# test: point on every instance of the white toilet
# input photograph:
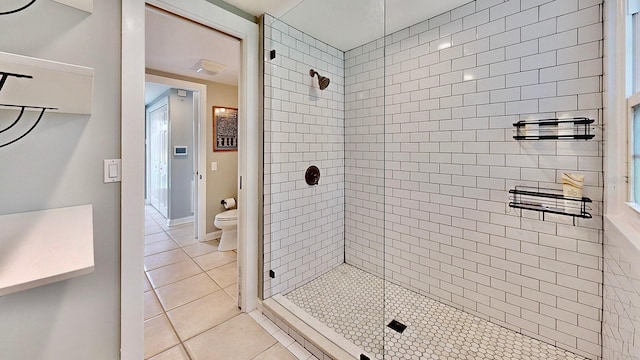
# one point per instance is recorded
(227, 221)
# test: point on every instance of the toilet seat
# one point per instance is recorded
(229, 215)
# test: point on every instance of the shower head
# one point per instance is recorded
(323, 82)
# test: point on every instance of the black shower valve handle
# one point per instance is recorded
(312, 176)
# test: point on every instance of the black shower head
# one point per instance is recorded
(323, 82)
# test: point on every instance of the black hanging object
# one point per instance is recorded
(22, 108)
(312, 176)
(272, 54)
(5, 76)
(18, 9)
(272, 274)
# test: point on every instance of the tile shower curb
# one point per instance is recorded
(301, 326)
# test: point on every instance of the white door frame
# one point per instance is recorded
(200, 143)
(132, 188)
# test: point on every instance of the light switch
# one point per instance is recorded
(214, 166)
(112, 171)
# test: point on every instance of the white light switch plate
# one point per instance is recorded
(214, 166)
(112, 170)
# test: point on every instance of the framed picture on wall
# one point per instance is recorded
(225, 129)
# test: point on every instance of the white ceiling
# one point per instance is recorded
(346, 24)
(174, 45)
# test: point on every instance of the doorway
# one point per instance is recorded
(175, 154)
(158, 156)
(132, 194)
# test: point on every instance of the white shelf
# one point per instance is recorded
(66, 87)
(43, 247)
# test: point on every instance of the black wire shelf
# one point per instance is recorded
(546, 200)
(577, 128)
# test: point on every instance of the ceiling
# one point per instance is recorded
(174, 45)
(346, 24)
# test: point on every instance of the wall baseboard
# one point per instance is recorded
(184, 220)
(213, 235)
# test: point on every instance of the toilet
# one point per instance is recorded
(227, 221)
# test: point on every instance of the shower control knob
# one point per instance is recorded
(312, 176)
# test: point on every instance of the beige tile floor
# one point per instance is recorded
(190, 305)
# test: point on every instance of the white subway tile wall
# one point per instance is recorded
(621, 324)
(303, 126)
(430, 158)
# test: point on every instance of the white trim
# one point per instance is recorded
(132, 213)
(635, 207)
(132, 186)
(181, 221)
(620, 226)
(615, 116)
(201, 142)
(213, 235)
(632, 102)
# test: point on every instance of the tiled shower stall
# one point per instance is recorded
(414, 141)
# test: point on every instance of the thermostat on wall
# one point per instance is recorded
(179, 151)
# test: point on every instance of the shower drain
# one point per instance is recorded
(397, 326)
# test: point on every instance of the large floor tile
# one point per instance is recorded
(182, 231)
(175, 353)
(172, 273)
(187, 290)
(276, 352)
(156, 237)
(158, 336)
(215, 259)
(240, 338)
(200, 315)
(232, 291)
(225, 275)
(201, 248)
(152, 306)
(158, 247)
(186, 240)
(155, 261)
(152, 229)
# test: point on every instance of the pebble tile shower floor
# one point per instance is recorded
(348, 300)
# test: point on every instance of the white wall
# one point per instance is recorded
(304, 126)
(433, 197)
(60, 164)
